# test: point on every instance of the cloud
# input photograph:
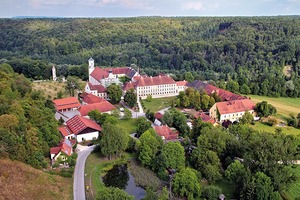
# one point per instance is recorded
(193, 6)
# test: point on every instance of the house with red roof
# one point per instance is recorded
(62, 151)
(97, 90)
(103, 107)
(66, 104)
(89, 98)
(204, 117)
(166, 132)
(157, 86)
(231, 110)
(80, 128)
(181, 85)
(210, 89)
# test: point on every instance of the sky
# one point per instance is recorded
(134, 8)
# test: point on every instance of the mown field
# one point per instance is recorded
(21, 181)
(284, 105)
(287, 129)
(158, 104)
(50, 89)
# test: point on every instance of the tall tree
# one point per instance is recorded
(130, 98)
(114, 93)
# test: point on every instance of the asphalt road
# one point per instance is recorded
(78, 185)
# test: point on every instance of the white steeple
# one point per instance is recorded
(91, 67)
(54, 73)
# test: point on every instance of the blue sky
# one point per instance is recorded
(132, 8)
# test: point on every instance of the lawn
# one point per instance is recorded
(293, 191)
(158, 104)
(227, 188)
(129, 125)
(50, 88)
(284, 105)
(259, 126)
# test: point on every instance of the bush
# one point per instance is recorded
(272, 121)
(211, 192)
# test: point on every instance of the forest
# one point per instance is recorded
(259, 52)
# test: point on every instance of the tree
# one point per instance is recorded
(72, 85)
(205, 101)
(114, 140)
(264, 109)
(188, 76)
(244, 89)
(109, 193)
(116, 113)
(211, 192)
(114, 93)
(247, 118)
(127, 114)
(233, 86)
(186, 183)
(130, 98)
(173, 153)
(151, 143)
(149, 98)
(263, 186)
(142, 125)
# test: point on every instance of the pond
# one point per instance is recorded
(120, 177)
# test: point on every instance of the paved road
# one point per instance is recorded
(134, 114)
(78, 185)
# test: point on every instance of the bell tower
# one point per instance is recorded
(91, 67)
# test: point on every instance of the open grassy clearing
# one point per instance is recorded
(21, 181)
(50, 88)
(158, 104)
(293, 191)
(227, 188)
(259, 126)
(129, 125)
(284, 105)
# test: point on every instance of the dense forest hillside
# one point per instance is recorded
(27, 125)
(261, 53)
(20, 181)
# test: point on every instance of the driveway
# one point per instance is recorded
(78, 185)
(134, 114)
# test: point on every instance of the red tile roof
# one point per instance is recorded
(99, 88)
(66, 103)
(158, 116)
(128, 85)
(65, 131)
(166, 132)
(235, 106)
(204, 117)
(103, 106)
(77, 124)
(209, 89)
(156, 80)
(181, 83)
(55, 150)
(90, 98)
(101, 73)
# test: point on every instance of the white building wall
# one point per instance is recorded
(157, 91)
(93, 81)
(87, 136)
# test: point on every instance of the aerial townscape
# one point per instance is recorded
(150, 100)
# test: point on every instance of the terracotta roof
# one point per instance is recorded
(55, 150)
(204, 117)
(90, 98)
(103, 106)
(99, 88)
(65, 103)
(128, 85)
(209, 89)
(101, 73)
(65, 131)
(158, 116)
(166, 132)
(235, 106)
(77, 124)
(156, 80)
(181, 83)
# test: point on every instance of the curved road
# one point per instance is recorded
(78, 185)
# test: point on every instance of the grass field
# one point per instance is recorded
(129, 125)
(50, 88)
(158, 104)
(293, 191)
(287, 130)
(21, 181)
(284, 105)
(227, 188)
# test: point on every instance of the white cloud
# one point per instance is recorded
(192, 6)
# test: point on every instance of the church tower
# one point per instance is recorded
(54, 73)
(91, 67)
